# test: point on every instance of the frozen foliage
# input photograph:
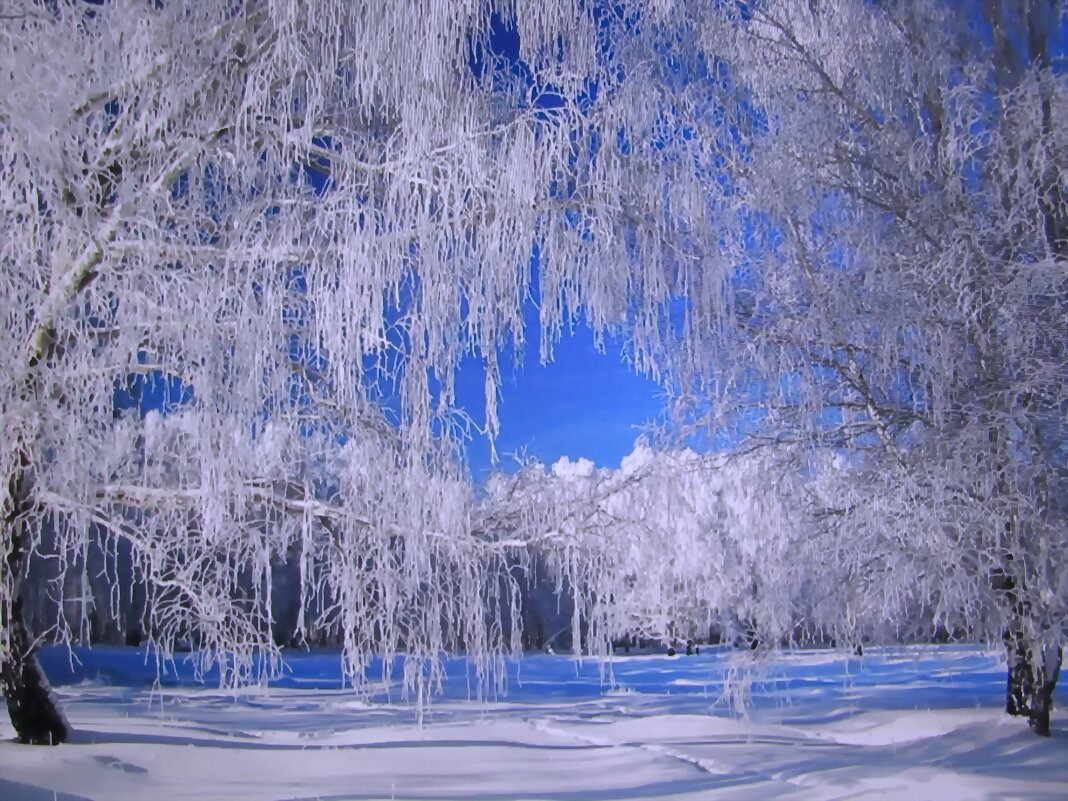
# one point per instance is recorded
(671, 546)
(873, 323)
(269, 220)
(213, 553)
(892, 195)
(679, 546)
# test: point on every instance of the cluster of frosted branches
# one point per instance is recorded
(298, 528)
(269, 221)
(670, 546)
(769, 547)
(921, 545)
(895, 208)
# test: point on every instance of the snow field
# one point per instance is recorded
(906, 723)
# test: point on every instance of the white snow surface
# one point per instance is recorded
(902, 723)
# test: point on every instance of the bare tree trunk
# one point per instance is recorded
(33, 708)
(1048, 668)
(1021, 681)
(1032, 680)
(1021, 676)
(1034, 666)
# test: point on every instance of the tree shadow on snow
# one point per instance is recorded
(17, 791)
(230, 740)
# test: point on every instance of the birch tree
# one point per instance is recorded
(876, 293)
(294, 219)
(894, 203)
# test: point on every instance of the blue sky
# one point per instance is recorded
(584, 403)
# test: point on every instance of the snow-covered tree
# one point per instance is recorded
(893, 204)
(675, 545)
(287, 217)
(672, 545)
(877, 294)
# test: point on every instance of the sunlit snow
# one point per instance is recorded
(905, 723)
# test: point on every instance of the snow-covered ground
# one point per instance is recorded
(907, 723)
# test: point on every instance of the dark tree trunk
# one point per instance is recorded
(1045, 681)
(1033, 673)
(1021, 681)
(33, 708)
